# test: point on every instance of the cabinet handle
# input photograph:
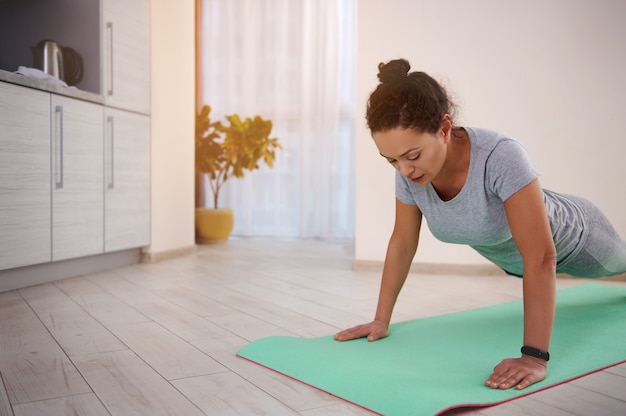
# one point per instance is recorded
(110, 50)
(111, 150)
(58, 141)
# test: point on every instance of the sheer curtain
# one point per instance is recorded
(293, 62)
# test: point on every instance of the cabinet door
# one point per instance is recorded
(127, 180)
(77, 178)
(24, 176)
(126, 50)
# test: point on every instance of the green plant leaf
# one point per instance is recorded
(224, 151)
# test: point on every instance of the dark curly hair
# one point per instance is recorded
(406, 100)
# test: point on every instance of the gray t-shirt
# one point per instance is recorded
(499, 167)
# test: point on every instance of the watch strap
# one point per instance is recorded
(535, 352)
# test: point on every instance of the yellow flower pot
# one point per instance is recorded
(214, 224)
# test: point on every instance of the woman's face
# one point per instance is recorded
(419, 157)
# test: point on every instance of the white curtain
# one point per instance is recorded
(293, 62)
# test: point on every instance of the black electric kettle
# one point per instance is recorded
(61, 62)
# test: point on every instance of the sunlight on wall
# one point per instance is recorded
(173, 95)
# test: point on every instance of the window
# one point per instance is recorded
(293, 62)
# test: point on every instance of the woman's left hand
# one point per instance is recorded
(518, 372)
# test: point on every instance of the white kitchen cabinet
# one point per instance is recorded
(127, 180)
(25, 233)
(77, 178)
(126, 54)
(75, 164)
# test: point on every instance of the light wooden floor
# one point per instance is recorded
(160, 339)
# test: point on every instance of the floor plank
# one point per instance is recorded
(589, 402)
(5, 405)
(338, 409)
(620, 370)
(82, 405)
(196, 299)
(248, 327)
(75, 330)
(166, 353)
(175, 318)
(292, 393)
(605, 383)
(227, 394)
(527, 407)
(104, 307)
(128, 386)
(241, 302)
(32, 364)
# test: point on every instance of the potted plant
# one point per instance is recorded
(223, 152)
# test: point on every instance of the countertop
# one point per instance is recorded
(38, 84)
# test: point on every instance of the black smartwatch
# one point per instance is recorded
(535, 352)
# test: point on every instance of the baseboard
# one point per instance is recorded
(433, 268)
(459, 269)
(154, 257)
(48, 272)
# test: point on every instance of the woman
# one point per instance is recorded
(480, 188)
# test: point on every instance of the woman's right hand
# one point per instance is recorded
(373, 331)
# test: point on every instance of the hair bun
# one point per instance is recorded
(393, 71)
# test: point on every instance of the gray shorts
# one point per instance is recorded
(602, 252)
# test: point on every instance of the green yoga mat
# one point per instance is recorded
(431, 365)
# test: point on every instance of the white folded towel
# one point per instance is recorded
(39, 74)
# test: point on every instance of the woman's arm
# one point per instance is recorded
(400, 252)
(528, 221)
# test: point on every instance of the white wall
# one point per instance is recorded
(551, 73)
(173, 109)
